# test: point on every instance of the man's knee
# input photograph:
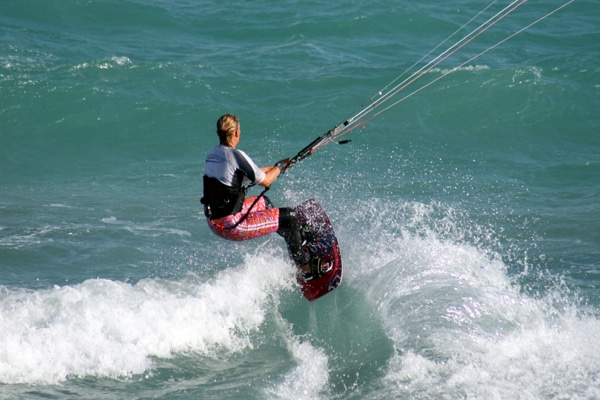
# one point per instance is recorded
(287, 218)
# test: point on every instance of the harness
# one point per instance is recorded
(221, 200)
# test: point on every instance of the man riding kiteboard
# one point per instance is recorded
(232, 216)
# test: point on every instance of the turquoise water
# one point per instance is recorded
(468, 215)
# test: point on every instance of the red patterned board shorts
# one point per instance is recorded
(261, 221)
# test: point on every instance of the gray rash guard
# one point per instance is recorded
(222, 163)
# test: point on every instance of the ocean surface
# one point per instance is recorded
(468, 214)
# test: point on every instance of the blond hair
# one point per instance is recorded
(226, 127)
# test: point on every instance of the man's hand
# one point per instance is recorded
(284, 164)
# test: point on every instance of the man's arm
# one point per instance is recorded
(271, 174)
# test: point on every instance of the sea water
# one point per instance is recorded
(468, 215)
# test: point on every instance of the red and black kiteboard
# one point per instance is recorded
(319, 242)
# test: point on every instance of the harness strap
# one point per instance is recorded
(221, 200)
(222, 227)
(249, 209)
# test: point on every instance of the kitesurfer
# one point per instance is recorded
(232, 216)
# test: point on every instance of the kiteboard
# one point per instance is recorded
(319, 242)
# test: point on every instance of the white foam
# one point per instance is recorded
(59, 205)
(106, 328)
(31, 236)
(152, 229)
(468, 68)
(121, 60)
(463, 328)
(309, 378)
